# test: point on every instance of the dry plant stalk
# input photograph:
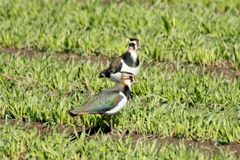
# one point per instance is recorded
(21, 82)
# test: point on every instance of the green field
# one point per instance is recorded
(179, 103)
(202, 32)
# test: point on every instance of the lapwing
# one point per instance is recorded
(127, 62)
(109, 101)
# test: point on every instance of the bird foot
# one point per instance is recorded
(113, 132)
(125, 132)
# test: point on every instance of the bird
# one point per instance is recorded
(109, 101)
(127, 62)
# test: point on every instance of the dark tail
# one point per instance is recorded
(71, 113)
(105, 73)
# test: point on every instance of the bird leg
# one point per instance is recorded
(113, 131)
(110, 125)
(103, 119)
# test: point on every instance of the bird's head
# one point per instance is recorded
(128, 78)
(134, 44)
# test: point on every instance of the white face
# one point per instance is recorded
(124, 78)
(133, 45)
(128, 79)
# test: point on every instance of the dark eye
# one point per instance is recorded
(131, 44)
(131, 78)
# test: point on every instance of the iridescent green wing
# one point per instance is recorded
(103, 102)
(116, 65)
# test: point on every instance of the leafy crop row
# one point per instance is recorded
(202, 32)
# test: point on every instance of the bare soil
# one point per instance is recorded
(226, 68)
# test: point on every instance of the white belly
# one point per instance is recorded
(116, 77)
(126, 68)
(120, 105)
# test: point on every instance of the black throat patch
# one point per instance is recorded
(127, 58)
(126, 91)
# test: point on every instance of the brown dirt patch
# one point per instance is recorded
(33, 53)
(226, 68)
